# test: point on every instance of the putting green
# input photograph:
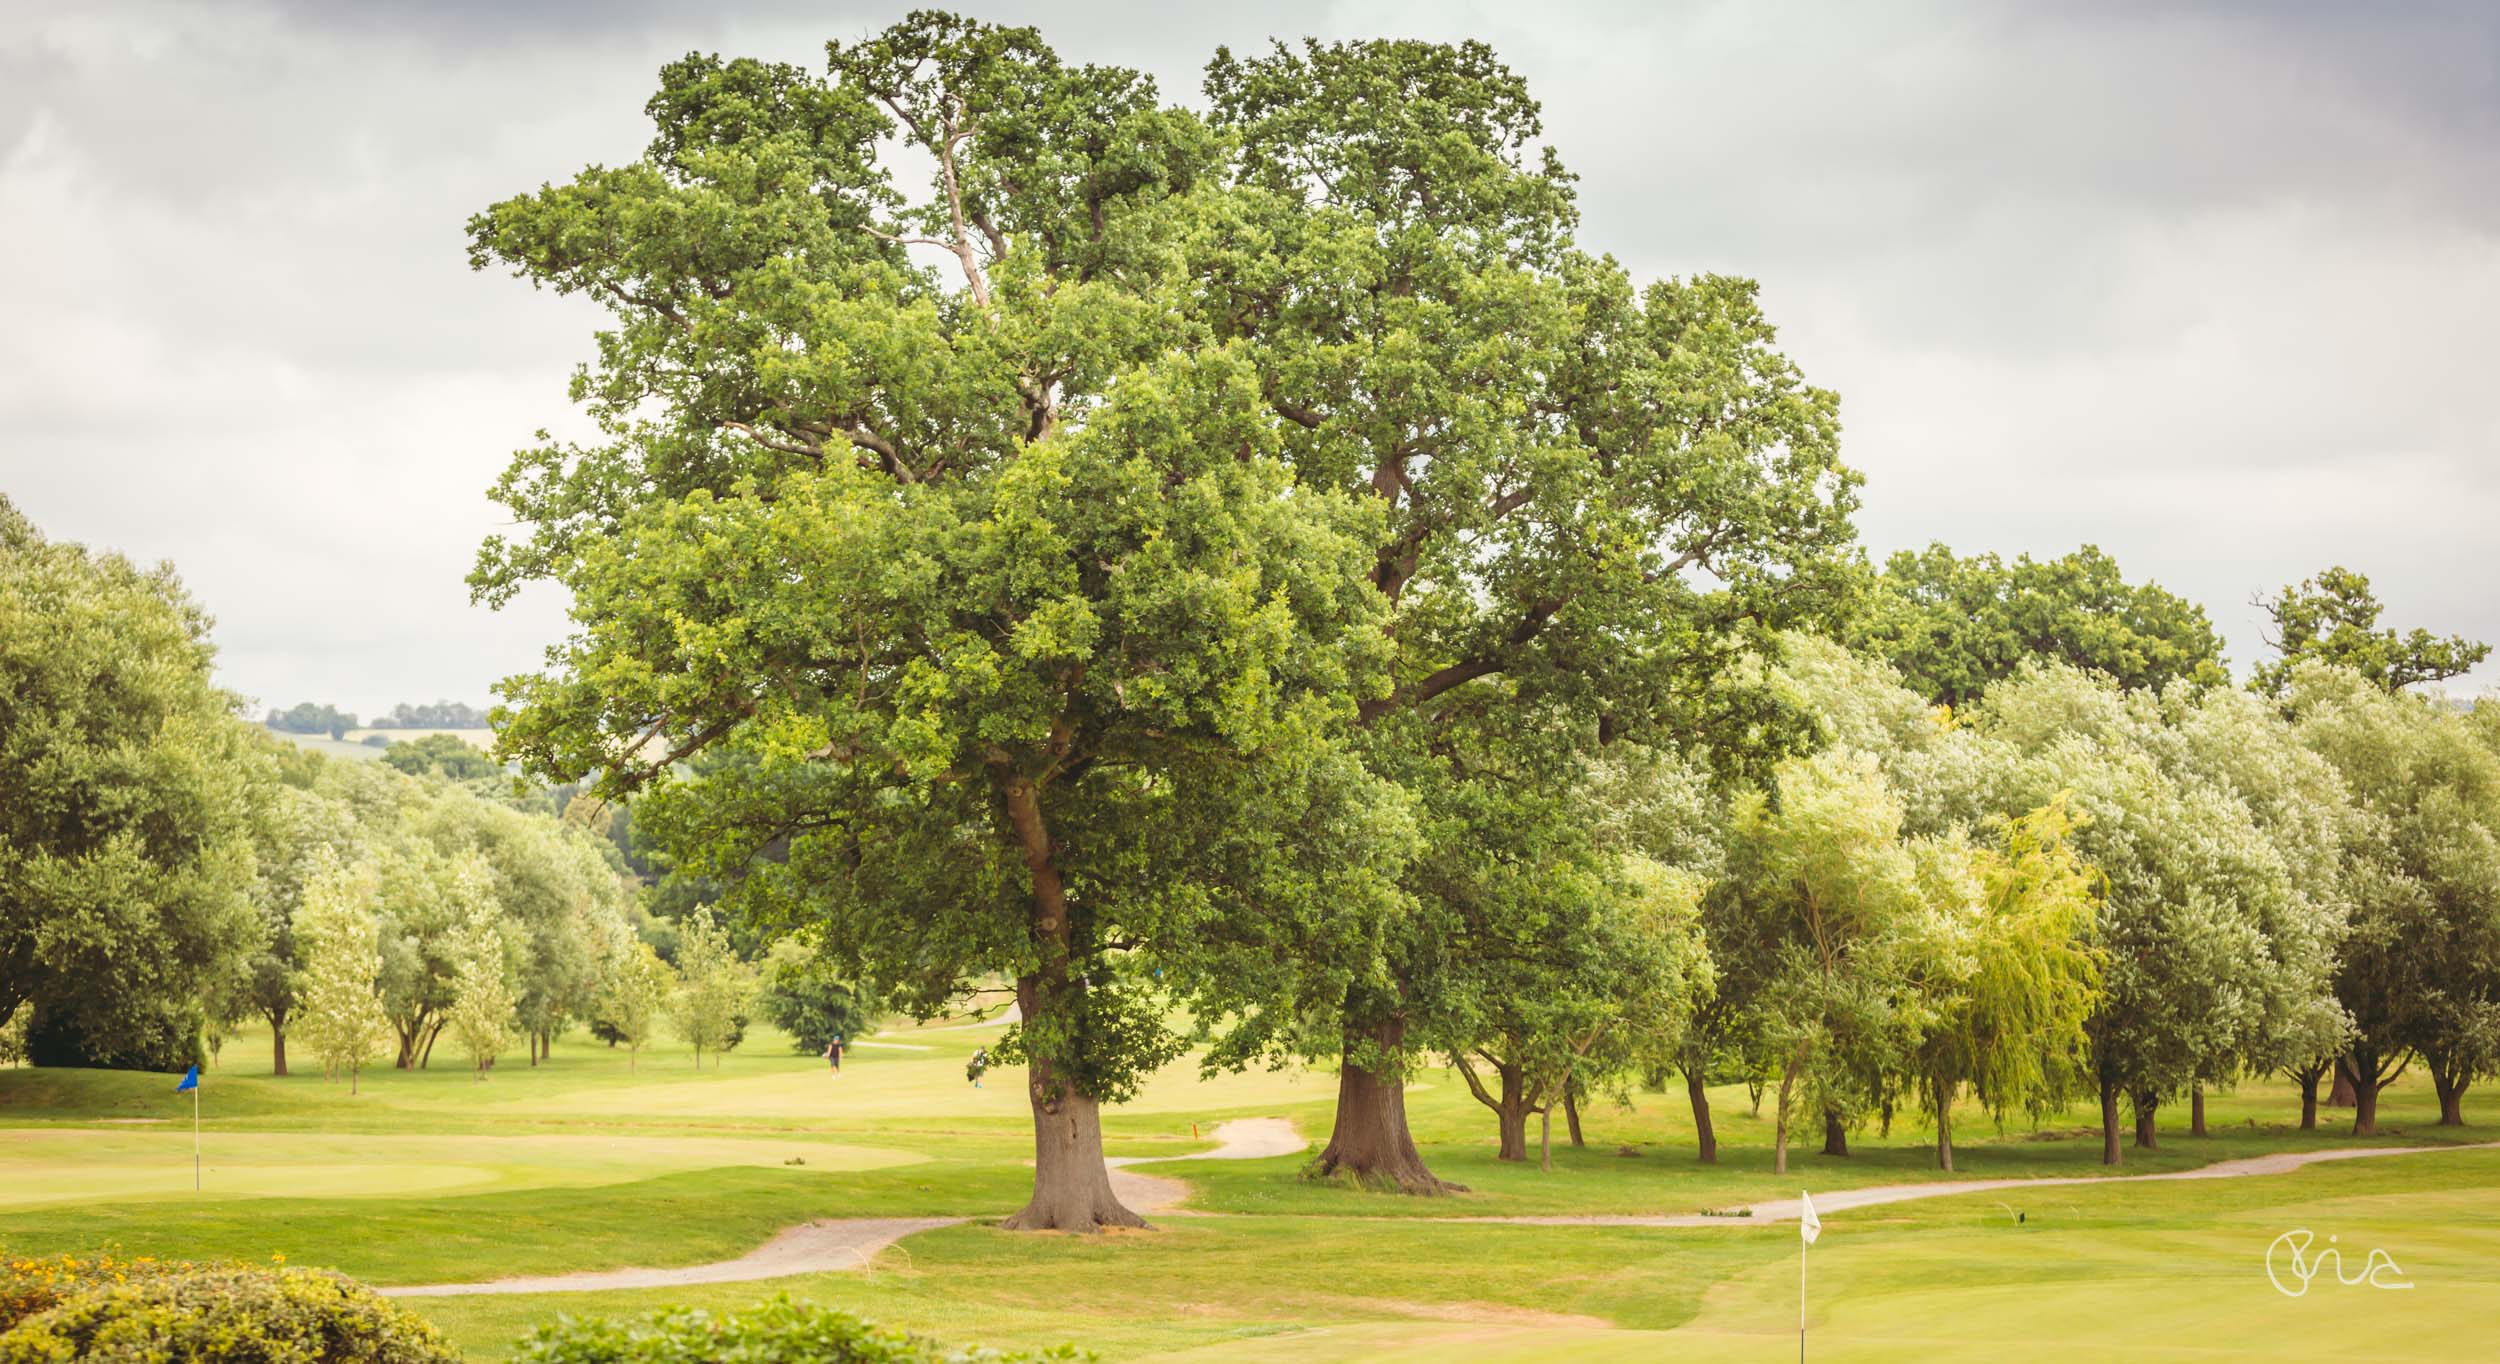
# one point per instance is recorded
(1981, 1287)
(69, 1165)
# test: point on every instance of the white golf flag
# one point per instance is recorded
(1809, 1226)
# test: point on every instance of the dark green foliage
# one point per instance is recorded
(126, 784)
(127, 1032)
(306, 718)
(778, 1332)
(2333, 618)
(112, 1309)
(442, 755)
(806, 995)
(1953, 626)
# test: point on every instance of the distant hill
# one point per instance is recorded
(475, 737)
(335, 748)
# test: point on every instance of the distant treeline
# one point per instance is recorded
(307, 718)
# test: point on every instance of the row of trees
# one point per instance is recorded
(306, 717)
(2073, 890)
(165, 872)
(1235, 560)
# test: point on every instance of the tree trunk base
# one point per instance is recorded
(1370, 1145)
(1071, 1186)
(1705, 1136)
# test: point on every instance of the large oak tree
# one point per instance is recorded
(1594, 496)
(958, 533)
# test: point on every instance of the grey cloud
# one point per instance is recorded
(2208, 286)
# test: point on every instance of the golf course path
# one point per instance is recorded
(850, 1243)
(1786, 1209)
(843, 1243)
(809, 1248)
(1240, 1139)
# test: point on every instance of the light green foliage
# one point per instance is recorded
(440, 755)
(108, 1308)
(1834, 926)
(13, 1036)
(424, 897)
(1953, 625)
(778, 1332)
(125, 784)
(639, 989)
(714, 988)
(480, 1018)
(2420, 971)
(295, 826)
(2212, 937)
(2011, 977)
(1622, 964)
(2333, 618)
(337, 996)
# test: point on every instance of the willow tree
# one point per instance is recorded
(1592, 495)
(2007, 1020)
(2213, 949)
(946, 528)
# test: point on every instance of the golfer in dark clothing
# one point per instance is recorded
(833, 1053)
(979, 1063)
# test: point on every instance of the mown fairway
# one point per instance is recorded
(581, 1164)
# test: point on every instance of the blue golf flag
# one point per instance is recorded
(190, 1080)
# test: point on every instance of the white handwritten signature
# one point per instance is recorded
(2291, 1278)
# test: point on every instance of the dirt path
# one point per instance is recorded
(1786, 1209)
(844, 1243)
(850, 1243)
(809, 1248)
(1240, 1139)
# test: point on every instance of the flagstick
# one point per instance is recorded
(195, 1138)
(1802, 1248)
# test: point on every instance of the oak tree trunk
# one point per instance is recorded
(1370, 1140)
(1704, 1135)
(2308, 1077)
(1571, 1113)
(2341, 1096)
(1779, 1129)
(277, 1046)
(1071, 1185)
(1835, 1134)
(1511, 1113)
(2449, 1081)
(2365, 1089)
(2196, 1109)
(2145, 1103)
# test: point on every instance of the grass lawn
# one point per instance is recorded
(587, 1163)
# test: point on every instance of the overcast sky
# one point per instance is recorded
(2216, 290)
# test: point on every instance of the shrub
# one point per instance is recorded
(67, 1308)
(779, 1332)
